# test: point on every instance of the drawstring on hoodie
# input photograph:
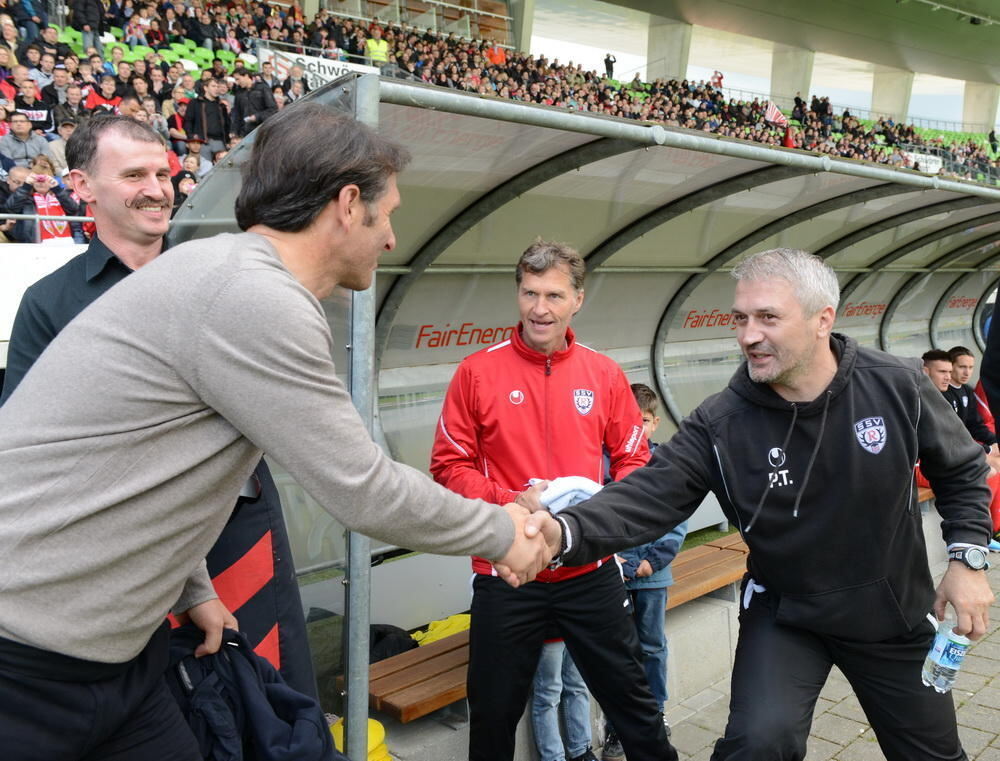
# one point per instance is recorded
(784, 447)
(812, 457)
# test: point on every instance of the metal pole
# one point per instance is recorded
(363, 385)
(422, 96)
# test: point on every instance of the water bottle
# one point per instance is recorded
(945, 658)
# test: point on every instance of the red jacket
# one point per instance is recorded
(511, 414)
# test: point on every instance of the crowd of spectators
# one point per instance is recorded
(46, 88)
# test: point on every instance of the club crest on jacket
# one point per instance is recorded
(871, 434)
(583, 398)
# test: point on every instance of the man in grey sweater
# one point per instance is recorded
(127, 442)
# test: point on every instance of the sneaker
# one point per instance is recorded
(666, 727)
(994, 545)
(612, 750)
(587, 755)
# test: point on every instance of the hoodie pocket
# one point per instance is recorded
(866, 612)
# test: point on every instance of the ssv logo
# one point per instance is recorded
(871, 434)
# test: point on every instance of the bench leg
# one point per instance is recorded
(456, 715)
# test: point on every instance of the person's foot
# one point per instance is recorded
(666, 726)
(994, 545)
(612, 750)
(587, 755)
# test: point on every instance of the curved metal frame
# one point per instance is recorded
(908, 248)
(977, 334)
(478, 210)
(669, 211)
(869, 231)
(937, 264)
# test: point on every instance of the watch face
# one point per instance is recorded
(975, 557)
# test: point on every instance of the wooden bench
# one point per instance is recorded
(419, 681)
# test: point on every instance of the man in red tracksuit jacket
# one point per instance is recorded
(540, 405)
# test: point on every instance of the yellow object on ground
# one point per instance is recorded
(443, 628)
(377, 750)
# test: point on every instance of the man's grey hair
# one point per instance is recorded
(814, 282)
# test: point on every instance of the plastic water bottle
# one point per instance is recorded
(945, 658)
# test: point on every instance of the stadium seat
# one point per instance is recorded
(117, 32)
(227, 56)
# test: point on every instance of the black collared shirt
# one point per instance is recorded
(48, 306)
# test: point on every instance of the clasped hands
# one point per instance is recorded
(537, 537)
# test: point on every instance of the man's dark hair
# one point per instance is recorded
(935, 355)
(645, 397)
(286, 184)
(241, 71)
(81, 148)
(543, 255)
(959, 351)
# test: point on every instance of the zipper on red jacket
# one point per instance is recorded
(548, 365)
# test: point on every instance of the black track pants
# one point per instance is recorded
(593, 614)
(780, 670)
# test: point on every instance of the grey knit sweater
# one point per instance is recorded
(125, 446)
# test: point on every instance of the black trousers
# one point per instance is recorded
(55, 708)
(780, 670)
(592, 613)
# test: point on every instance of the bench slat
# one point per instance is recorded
(422, 672)
(418, 655)
(420, 699)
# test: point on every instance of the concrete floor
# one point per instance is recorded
(840, 732)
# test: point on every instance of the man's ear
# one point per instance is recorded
(79, 181)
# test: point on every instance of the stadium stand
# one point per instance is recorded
(184, 46)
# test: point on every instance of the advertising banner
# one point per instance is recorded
(318, 71)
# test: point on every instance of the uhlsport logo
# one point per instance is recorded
(871, 434)
(583, 398)
(516, 396)
(776, 457)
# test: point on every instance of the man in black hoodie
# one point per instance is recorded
(208, 119)
(810, 451)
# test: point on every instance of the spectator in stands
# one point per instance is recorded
(38, 111)
(103, 100)
(609, 65)
(296, 74)
(43, 195)
(30, 16)
(206, 118)
(43, 74)
(280, 99)
(377, 49)
(254, 103)
(88, 19)
(508, 630)
(196, 149)
(937, 366)
(267, 75)
(156, 120)
(21, 144)
(129, 106)
(72, 109)
(55, 92)
(123, 78)
(57, 147)
(647, 578)
(15, 178)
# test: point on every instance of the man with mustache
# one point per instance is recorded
(810, 451)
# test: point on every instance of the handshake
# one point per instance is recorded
(537, 538)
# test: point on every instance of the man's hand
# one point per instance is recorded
(970, 595)
(211, 617)
(993, 460)
(531, 550)
(644, 570)
(532, 498)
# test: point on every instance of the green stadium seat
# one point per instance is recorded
(117, 32)
(190, 44)
(228, 56)
(179, 47)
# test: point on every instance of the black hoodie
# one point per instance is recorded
(822, 491)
